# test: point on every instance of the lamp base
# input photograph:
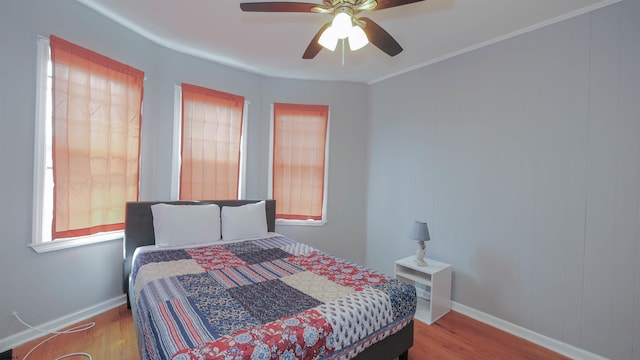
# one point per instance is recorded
(420, 254)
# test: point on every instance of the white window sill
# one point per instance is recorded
(54, 245)
(286, 222)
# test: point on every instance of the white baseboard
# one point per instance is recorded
(57, 324)
(539, 339)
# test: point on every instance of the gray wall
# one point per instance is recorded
(45, 287)
(524, 158)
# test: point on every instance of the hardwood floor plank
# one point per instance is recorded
(454, 336)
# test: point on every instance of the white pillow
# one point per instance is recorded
(244, 222)
(185, 224)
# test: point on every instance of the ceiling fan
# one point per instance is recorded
(345, 25)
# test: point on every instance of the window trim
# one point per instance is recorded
(177, 135)
(61, 244)
(242, 186)
(39, 162)
(39, 141)
(176, 159)
(325, 192)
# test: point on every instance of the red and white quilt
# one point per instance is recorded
(270, 298)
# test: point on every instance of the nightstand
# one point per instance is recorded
(433, 286)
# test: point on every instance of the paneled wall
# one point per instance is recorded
(524, 158)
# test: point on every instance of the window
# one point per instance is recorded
(87, 144)
(211, 146)
(298, 171)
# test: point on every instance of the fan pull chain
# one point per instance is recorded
(342, 52)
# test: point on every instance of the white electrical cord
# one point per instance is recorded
(72, 330)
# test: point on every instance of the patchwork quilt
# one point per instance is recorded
(270, 298)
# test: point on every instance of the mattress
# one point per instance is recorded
(267, 298)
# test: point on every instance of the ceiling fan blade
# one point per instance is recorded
(314, 47)
(381, 38)
(384, 4)
(278, 6)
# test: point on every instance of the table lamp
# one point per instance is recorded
(420, 233)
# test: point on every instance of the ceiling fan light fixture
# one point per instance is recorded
(344, 25)
(357, 38)
(329, 39)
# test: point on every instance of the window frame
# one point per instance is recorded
(176, 161)
(325, 192)
(39, 242)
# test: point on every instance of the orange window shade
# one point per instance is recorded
(97, 105)
(299, 136)
(211, 134)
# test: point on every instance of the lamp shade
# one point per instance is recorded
(342, 24)
(419, 231)
(329, 38)
(357, 38)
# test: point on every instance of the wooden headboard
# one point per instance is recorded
(138, 229)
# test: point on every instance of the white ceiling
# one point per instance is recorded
(272, 43)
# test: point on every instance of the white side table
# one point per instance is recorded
(433, 286)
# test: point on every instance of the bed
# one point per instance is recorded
(254, 297)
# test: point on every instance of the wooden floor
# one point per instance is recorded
(113, 337)
(454, 336)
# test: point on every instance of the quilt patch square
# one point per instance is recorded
(302, 336)
(256, 257)
(317, 286)
(164, 289)
(181, 323)
(222, 314)
(158, 256)
(242, 247)
(154, 271)
(299, 249)
(339, 271)
(274, 242)
(253, 273)
(214, 257)
(357, 315)
(402, 295)
(271, 300)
